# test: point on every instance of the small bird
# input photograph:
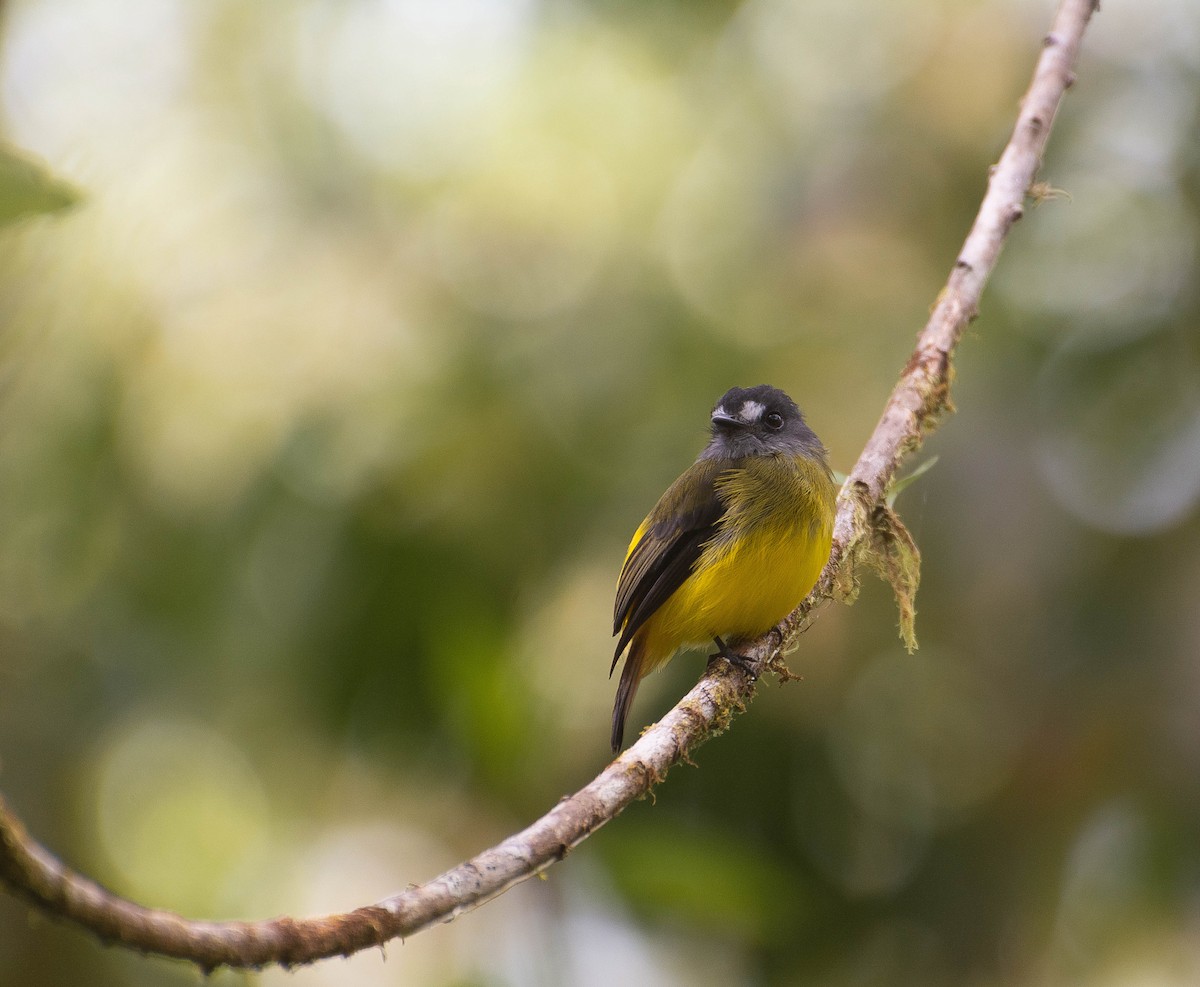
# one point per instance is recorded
(733, 545)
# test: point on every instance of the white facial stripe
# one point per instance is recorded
(720, 410)
(752, 411)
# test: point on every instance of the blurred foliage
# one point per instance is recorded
(27, 188)
(326, 416)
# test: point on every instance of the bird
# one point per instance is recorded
(731, 547)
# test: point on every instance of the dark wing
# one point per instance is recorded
(673, 536)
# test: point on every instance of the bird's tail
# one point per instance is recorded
(631, 675)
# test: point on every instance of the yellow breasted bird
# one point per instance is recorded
(733, 545)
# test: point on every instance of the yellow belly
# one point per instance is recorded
(738, 591)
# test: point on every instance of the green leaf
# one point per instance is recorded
(28, 188)
(895, 488)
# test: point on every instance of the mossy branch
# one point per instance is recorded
(867, 533)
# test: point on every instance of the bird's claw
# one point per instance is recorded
(740, 661)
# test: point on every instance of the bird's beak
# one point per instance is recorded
(728, 420)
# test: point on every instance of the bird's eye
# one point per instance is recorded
(773, 421)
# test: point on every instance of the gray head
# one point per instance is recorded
(759, 421)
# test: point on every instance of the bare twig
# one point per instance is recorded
(866, 531)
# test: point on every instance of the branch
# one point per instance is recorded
(866, 532)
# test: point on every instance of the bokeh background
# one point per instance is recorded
(326, 414)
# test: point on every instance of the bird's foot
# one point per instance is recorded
(741, 661)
